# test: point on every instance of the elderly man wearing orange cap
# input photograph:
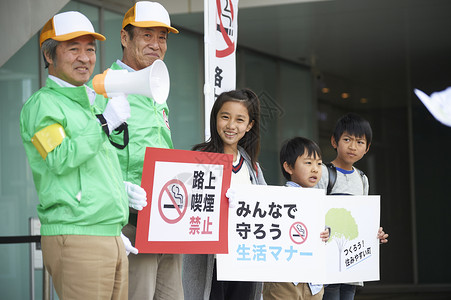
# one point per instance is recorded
(83, 204)
(144, 35)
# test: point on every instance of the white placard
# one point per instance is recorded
(274, 235)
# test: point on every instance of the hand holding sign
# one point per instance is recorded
(128, 245)
(137, 196)
(232, 196)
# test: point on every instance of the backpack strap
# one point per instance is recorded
(362, 176)
(332, 177)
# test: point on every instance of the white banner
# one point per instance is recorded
(221, 30)
(352, 253)
(274, 235)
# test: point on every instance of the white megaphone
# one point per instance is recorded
(152, 82)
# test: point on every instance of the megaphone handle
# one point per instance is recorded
(122, 128)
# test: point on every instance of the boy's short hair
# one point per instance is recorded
(355, 125)
(295, 147)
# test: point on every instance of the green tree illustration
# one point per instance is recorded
(343, 228)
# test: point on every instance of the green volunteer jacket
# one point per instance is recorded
(148, 126)
(79, 184)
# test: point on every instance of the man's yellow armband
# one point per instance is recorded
(48, 138)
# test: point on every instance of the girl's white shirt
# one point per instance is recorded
(242, 176)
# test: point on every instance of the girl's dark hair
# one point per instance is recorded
(251, 140)
(295, 147)
(355, 125)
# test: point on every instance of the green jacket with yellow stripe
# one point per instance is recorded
(78, 179)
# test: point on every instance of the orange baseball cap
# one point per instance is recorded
(66, 26)
(148, 14)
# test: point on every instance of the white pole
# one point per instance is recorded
(208, 87)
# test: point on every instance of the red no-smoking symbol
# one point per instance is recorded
(227, 13)
(298, 233)
(172, 202)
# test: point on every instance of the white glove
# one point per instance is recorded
(128, 245)
(231, 194)
(137, 196)
(117, 111)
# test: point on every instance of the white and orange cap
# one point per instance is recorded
(148, 14)
(66, 26)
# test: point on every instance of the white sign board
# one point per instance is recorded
(188, 210)
(352, 252)
(274, 235)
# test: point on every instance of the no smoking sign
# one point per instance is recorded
(172, 201)
(298, 233)
(182, 218)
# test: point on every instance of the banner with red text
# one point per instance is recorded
(187, 210)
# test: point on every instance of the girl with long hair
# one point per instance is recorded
(235, 129)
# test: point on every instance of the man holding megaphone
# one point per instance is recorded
(144, 35)
(83, 202)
